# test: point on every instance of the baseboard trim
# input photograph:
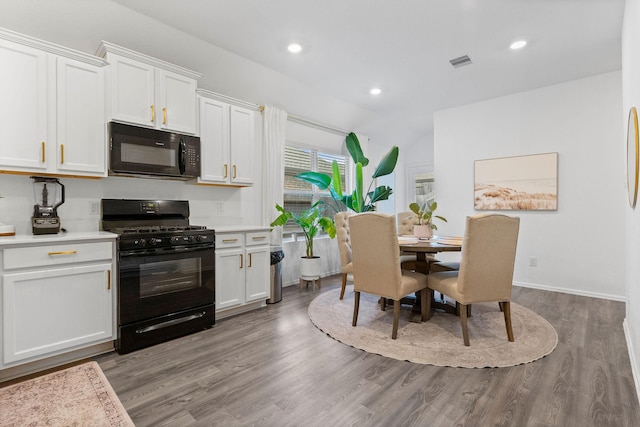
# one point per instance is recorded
(632, 357)
(599, 295)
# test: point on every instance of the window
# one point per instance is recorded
(300, 195)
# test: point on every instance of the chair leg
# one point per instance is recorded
(463, 322)
(344, 285)
(425, 295)
(507, 320)
(396, 318)
(383, 304)
(428, 304)
(501, 304)
(356, 307)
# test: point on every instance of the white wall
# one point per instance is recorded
(631, 97)
(578, 247)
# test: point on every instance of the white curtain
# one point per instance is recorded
(274, 125)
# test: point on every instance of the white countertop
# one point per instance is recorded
(238, 228)
(21, 239)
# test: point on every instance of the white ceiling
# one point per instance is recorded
(404, 46)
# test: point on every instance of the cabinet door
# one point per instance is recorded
(214, 141)
(132, 91)
(50, 310)
(80, 117)
(23, 106)
(176, 100)
(257, 277)
(243, 145)
(230, 275)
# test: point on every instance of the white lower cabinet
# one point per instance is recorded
(242, 270)
(60, 299)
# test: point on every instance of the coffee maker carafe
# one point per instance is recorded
(49, 195)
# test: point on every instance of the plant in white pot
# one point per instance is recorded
(425, 214)
(311, 221)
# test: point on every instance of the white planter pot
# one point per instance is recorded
(424, 231)
(310, 268)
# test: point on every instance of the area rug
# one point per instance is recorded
(77, 396)
(439, 340)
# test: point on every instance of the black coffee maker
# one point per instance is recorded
(49, 195)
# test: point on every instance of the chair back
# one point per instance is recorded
(406, 221)
(343, 236)
(488, 258)
(376, 255)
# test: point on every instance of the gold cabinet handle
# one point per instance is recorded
(259, 237)
(240, 260)
(226, 170)
(249, 260)
(153, 113)
(62, 253)
(234, 171)
(42, 151)
(229, 240)
(108, 279)
(164, 116)
(61, 154)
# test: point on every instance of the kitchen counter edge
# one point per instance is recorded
(26, 239)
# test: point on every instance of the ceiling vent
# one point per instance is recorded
(460, 61)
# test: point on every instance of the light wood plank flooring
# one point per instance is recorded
(272, 367)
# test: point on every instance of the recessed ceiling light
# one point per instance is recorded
(518, 44)
(375, 91)
(294, 48)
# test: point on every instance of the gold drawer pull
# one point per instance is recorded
(226, 170)
(259, 237)
(42, 150)
(153, 113)
(62, 253)
(240, 260)
(234, 171)
(229, 240)
(108, 279)
(249, 260)
(164, 116)
(61, 154)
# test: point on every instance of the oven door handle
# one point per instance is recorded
(172, 250)
(170, 323)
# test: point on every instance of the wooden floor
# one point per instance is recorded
(272, 367)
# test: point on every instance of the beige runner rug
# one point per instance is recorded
(77, 396)
(439, 340)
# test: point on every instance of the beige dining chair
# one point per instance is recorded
(486, 268)
(376, 264)
(343, 238)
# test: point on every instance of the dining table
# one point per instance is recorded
(423, 247)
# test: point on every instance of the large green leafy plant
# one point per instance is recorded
(310, 220)
(359, 200)
(425, 213)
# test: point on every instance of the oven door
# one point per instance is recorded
(155, 283)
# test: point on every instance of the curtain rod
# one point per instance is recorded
(313, 124)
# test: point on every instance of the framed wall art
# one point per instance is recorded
(517, 183)
(632, 157)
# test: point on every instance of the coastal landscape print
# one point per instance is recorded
(517, 183)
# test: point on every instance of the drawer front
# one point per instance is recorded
(51, 255)
(231, 240)
(258, 238)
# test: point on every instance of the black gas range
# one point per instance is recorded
(166, 271)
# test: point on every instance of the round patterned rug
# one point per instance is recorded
(439, 340)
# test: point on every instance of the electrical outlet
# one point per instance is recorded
(533, 261)
(95, 208)
(220, 208)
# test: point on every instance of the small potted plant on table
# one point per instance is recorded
(425, 214)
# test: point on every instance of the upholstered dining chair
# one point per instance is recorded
(486, 268)
(344, 245)
(376, 264)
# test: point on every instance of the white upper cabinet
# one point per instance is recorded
(148, 92)
(51, 108)
(228, 143)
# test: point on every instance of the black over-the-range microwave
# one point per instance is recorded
(135, 150)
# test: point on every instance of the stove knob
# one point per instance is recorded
(155, 241)
(192, 239)
(140, 243)
(200, 238)
(175, 240)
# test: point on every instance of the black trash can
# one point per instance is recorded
(275, 274)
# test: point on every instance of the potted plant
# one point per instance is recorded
(425, 214)
(359, 200)
(311, 221)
